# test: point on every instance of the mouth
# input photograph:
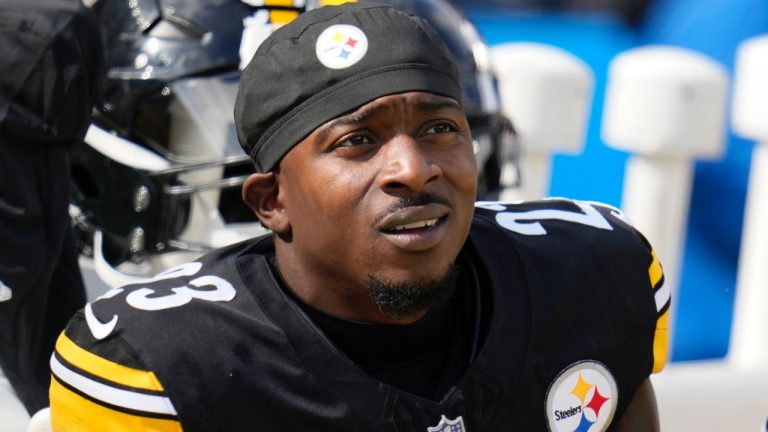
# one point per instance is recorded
(416, 229)
(414, 225)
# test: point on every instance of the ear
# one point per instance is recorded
(261, 192)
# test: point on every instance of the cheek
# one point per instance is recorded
(329, 222)
(461, 169)
(462, 174)
(326, 201)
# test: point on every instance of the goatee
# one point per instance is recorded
(399, 299)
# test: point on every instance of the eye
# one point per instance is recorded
(440, 128)
(354, 140)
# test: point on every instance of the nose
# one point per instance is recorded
(407, 165)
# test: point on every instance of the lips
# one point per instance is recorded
(416, 228)
(416, 225)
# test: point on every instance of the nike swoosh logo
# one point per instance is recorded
(5, 292)
(99, 330)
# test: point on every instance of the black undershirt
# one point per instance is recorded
(425, 358)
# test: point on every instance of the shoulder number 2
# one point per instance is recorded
(526, 222)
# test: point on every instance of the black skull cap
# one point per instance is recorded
(328, 62)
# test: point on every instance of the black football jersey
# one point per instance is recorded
(574, 321)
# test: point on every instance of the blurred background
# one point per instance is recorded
(596, 31)
(704, 388)
(715, 381)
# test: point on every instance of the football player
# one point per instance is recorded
(385, 298)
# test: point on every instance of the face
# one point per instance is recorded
(384, 192)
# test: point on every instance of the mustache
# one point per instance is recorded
(412, 201)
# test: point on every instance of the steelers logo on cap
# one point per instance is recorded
(340, 46)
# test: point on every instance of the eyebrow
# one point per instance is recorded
(357, 117)
(436, 106)
(348, 119)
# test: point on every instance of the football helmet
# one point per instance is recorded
(160, 168)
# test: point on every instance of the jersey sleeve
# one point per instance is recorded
(100, 385)
(659, 290)
(555, 227)
(662, 299)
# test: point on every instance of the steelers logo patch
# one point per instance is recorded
(582, 398)
(340, 46)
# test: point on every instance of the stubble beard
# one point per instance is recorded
(402, 299)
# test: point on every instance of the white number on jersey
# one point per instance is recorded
(142, 297)
(527, 222)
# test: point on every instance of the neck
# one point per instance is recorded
(335, 296)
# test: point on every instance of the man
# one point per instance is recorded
(51, 62)
(383, 300)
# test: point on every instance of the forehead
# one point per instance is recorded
(418, 100)
(411, 101)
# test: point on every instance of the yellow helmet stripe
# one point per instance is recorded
(335, 2)
(279, 16)
(285, 3)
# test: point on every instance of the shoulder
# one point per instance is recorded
(125, 354)
(555, 220)
(568, 240)
(181, 297)
(105, 387)
(167, 310)
(579, 255)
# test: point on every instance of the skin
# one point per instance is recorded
(333, 203)
(642, 414)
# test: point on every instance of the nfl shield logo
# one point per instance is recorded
(445, 425)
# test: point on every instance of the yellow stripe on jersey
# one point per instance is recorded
(661, 342)
(108, 393)
(654, 271)
(104, 368)
(662, 299)
(71, 412)
(279, 16)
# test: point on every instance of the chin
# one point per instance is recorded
(406, 296)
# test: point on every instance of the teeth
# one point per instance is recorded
(419, 224)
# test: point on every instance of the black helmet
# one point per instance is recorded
(160, 166)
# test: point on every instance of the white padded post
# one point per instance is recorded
(41, 421)
(666, 106)
(13, 416)
(547, 93)
(692, 397)
(749, 333)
